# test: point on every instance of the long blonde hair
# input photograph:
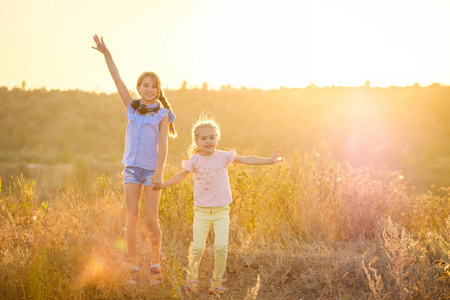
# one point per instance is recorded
(206, 121)
(160, 95)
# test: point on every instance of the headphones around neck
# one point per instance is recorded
(143, 109)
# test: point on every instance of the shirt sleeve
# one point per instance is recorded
(231, 156)
(171, 117)
(188, 165)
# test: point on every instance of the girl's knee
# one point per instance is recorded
(132, 220)
(153, 224)
(198, 250)
(154, 231)
(221, 247)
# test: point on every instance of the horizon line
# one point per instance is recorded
(97, 90)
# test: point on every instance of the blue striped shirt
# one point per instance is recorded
(142, 138)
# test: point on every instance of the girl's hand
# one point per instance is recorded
(157, 186)
(277, 157)
(101, 46)
(157, 178)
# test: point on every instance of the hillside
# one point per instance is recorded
(81, 134)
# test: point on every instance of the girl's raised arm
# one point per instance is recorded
(121, 88)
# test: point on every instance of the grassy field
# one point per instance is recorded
(309, 228)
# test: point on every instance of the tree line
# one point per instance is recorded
(404, 128)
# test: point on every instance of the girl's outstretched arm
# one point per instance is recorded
(255, 160)
(180, 176)
(121, 88)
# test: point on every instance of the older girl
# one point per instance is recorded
(149, 126)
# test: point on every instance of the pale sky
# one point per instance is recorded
(252, 43)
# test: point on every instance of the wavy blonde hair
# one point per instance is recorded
(205, 121)
(162, 99)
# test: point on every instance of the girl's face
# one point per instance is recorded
(206, 140)
(148, 90)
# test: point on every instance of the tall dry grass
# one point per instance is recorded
(309, 228)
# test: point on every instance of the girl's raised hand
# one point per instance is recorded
(101, 46)
(277, 157)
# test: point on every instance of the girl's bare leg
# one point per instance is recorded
(152, 198)
(132, 197)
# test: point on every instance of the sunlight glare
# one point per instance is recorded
(94, 269)
(238, 42)
(121, 244)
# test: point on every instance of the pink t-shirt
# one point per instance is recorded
(212, 185)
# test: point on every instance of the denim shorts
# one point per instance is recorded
(137, 175)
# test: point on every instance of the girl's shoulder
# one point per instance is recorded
(190, 163)
(227, 156)
(194, 157)
(164, 112)
(227, 152)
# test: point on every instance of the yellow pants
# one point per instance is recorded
(204, 219)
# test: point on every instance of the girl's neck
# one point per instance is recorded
(148, 102)
(201, 153)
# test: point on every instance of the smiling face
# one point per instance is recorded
(206, 140)
(148, 90)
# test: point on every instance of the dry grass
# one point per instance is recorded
(304, 229)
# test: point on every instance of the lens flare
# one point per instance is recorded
(94, 269)
(121, 244)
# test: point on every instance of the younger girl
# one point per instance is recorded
(212, 196)
(144, 157)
